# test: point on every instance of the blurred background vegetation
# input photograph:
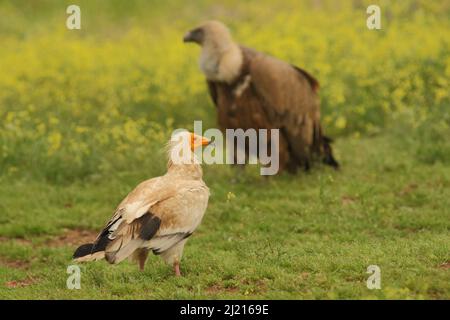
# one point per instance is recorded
(80, 104)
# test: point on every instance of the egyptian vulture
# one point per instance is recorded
(254, 90)
(158, 215)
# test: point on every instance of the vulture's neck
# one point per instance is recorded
(185, 171)
(221, 62)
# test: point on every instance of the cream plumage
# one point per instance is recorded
(158, 215)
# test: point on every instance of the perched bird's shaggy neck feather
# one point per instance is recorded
(221, 58)
(189, 170)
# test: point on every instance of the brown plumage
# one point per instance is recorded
(253, 90)
(158, 215)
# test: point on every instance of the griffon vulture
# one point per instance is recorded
(158, 215)
(254, 90)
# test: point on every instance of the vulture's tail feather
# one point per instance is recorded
(86, 252)
(93, 251)
(83, 250)
(328, 152)
(322, 146)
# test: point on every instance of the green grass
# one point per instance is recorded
(81, 123)
(310, 236)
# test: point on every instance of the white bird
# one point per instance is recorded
(159, 214)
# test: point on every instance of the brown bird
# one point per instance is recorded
(254, 90)
(158, 215)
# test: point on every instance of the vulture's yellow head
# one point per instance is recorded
(182, 145)
(197, 141)
(221, 58)
(188, 141)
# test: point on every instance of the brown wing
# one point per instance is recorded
(212, 91)
(289, 98)
(312, 81)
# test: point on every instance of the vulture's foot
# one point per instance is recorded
(176, 268)
(142, 255)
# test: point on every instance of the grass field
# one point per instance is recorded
(310, 236)
(84, 116)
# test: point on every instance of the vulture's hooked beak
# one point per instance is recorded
(206, 142)
(199, 141)
(195, 35)
(209, 142)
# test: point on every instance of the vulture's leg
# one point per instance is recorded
(172, 256)
(176, 268)
(285, 159)
(141, 256)
(304, 159)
